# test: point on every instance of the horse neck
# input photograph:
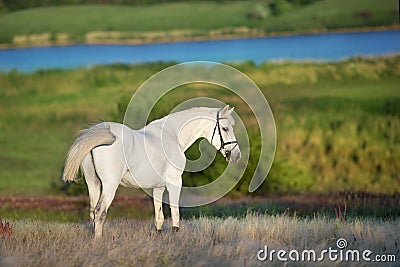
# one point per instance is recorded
(194, 124)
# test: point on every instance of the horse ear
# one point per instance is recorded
(225, 110)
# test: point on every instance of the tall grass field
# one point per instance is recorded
(203, 242)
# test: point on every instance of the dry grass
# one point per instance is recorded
(201, 242)
(116, 37)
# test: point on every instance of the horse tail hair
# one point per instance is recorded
(88, 139)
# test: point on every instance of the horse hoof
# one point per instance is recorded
(175, 229)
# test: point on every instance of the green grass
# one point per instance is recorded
(327, 15)
(78, 20)
(41, 112)
(197, 17)
(337, 123)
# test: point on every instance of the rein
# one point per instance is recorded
(223, 143)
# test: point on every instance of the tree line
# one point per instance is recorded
(12, 5)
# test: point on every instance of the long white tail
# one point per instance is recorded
(90, 138)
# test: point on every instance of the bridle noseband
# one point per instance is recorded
(223, 143)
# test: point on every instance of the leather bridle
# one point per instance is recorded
(223, 143)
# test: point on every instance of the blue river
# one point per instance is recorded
(315, 47)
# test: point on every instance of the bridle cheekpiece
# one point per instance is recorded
(223, 143)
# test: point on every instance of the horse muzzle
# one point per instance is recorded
(233, 156)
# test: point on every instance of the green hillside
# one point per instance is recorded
(186, 20)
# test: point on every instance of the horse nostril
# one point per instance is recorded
(228, 154)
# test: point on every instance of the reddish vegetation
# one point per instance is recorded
(73, 203)
(43, 203)
(5, 229)
(359, 204)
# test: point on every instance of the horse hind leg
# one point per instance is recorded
(93, 183)
(100, 212)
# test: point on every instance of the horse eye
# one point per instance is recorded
(225, 129)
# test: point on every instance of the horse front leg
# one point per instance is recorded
(174, 190)
(159, 215)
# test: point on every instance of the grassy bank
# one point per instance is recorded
(337, 123)
(186, 21)
(200, 242)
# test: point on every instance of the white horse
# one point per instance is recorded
(111, 154)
